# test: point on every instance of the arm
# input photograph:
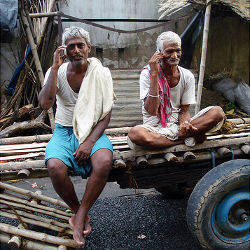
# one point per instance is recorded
(151, 103)
(47, 95)
(84, 149)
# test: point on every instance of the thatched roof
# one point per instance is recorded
(167, 7)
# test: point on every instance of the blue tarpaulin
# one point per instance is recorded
(8, 14)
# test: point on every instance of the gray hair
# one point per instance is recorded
(169, 37)
(75, 32)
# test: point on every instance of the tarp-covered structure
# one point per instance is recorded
(167, 7)
(8, 14)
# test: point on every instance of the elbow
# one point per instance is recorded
(45, 105)
(152, 112)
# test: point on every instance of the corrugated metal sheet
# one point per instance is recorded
(127, 109)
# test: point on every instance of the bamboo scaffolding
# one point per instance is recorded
(29, 245)
(203, 55)
(38, 236)
(33, 195)
(29, 203)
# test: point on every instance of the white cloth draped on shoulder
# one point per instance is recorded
(95, 99)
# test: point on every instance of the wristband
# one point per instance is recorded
(155, 96)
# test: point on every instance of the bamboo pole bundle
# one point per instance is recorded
(109, 131)
(29, 245)
(33, 195)
(38, 236)
(131, 154)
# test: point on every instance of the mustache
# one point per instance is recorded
(173, 60)
(77, 54)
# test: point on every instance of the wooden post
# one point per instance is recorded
(203, 56)
(37, 61)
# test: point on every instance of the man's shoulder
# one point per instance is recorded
(185, 72)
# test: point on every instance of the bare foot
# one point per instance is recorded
(78, 234)
(87, 227)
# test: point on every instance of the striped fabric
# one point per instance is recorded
(165, 108)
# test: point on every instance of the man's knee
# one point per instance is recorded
(102, 163)
(136, 135)
(218, 113)
(56, 167)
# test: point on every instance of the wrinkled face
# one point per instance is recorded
(77, 50)
(171, 53)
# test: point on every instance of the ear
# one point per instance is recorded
(89, 48)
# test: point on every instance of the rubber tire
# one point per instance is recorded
(172, 191)
(212, 187)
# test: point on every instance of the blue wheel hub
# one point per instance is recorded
(230, 218)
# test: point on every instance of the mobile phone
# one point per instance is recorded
(63, 53)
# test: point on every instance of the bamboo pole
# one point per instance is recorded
(23, 146)
(38, 236)
(29, 245)
(33, 209)
(37, 61)
(39, 15)
(25, 139)
(22, 151)
(33, 195)
(29, 203)
(37, 223)
(203, 55)
(17, 157)
(22, 165)
(38, 218)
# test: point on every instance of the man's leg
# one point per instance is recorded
(62, 183)
(143, 137)
(101, 162)
(207, 121)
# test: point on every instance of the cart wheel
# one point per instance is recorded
(218, 208)
(174, 191)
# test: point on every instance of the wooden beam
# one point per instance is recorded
(203, 56)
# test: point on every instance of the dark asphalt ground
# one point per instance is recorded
(119, 218)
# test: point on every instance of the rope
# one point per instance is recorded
(119, 30)
(132, 181)
(213, 159)
(232, 154)
(18, 216)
